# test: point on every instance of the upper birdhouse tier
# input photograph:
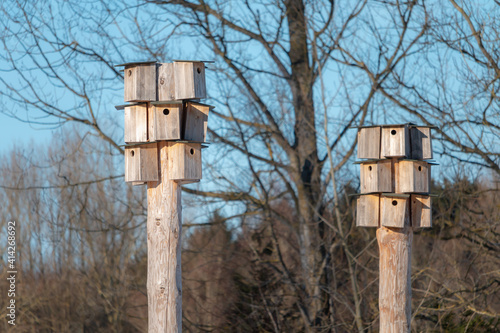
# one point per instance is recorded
(152, 81)
(398, 140)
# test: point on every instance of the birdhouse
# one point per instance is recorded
(165, 121)
(376, 176)
(184, 161)
(181, 80)
(421, 144)
(367, 213)
(395, 210)
(136, 122)
(141, 163)
(196, 121)
(369, 142)
(412, 176)
(421, 211)
(140, 81)
(395, 141)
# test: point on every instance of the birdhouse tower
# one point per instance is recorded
(395, 176)
(165, 126)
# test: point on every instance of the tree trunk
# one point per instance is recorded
(307, 175)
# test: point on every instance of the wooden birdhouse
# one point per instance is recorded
(395, 141)
(165, 121)
(136, 122)
(421, 143)
(367, 213)
(421, 211)
(376, 176)
(140, 81)
(181, 80)
(141, 163)
(184, 161)
(412, 176)
(369, 142)
(395, 210)
(196, 121)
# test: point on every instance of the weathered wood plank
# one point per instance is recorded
(376, 176)
(394, 212)
(369, 142)
(165, 122)
(413, 177)
(184, 161)
(395, 142)
(196, 122)
(395, 247)
(166, 82)
(367, 212)
(136, 123)
(140, 83)
(421, 143)
(421, 211)
(189, 80)
(141, 163)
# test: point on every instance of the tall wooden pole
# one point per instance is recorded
(395, 279)
(164, 228)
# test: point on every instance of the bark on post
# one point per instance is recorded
(164, 227)
(395, 279)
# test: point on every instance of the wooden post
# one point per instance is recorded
(395, 278)
(164, 227)
(395, 198)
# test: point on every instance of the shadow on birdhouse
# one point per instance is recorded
(421, 211)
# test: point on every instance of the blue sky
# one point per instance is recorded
(16, 132)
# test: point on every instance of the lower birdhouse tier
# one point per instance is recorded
(399, 140)
(141, 163)
(184, 161)
(394, 210)
(165, 121)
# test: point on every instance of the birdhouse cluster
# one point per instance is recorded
(164, 105)
(395, 174)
